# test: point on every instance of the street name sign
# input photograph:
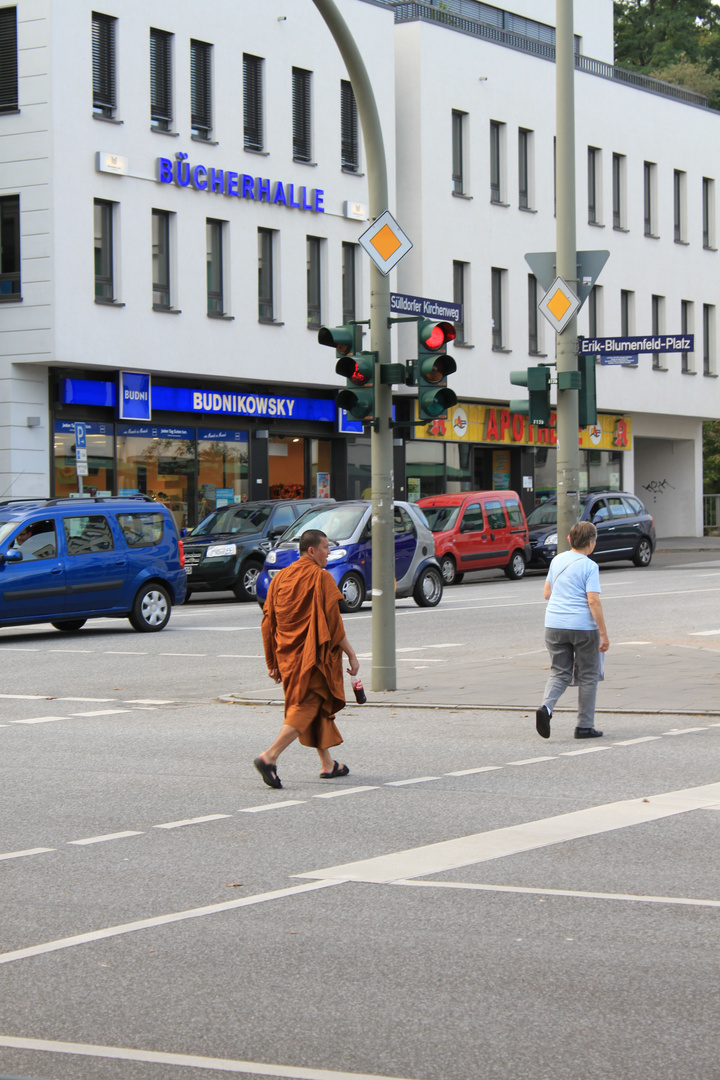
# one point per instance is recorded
(401, 304)
(626, 350)
(385, 242)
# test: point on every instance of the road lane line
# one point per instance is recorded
(191, 821)
(29, 851)
(415, 780)
(642, 738)
(191, 654)
(585, 750)
(346, 791)
(270, 806)
(468, 772)
(158, 920)
(101, 712)
(150, 701)
(190, 1061)
(532, 760)
(97, 700)
(26, 697)
(514, 839)
(78, 651)
(106, 836)
(40, 720)
(684, 731)
(639, 898)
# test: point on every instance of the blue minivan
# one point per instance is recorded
(65, 561)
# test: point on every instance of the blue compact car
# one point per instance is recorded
(348, 528)
(65, 561)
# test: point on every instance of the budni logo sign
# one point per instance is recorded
(134, 396)
(243, 186)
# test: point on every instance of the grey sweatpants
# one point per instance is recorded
(568, 648)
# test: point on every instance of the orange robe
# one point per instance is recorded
(302, 630)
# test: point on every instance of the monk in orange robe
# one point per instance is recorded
(304, 640)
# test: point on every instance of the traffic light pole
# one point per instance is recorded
(384, 668)
(568, 451)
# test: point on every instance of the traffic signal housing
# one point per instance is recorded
(357, 367)
(537, 407)
(432, 367)
(587, 397)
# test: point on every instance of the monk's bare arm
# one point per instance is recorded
(352, 658)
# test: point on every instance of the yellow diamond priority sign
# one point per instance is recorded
(385, 242)
(559, 304)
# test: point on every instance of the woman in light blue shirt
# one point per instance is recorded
(575, 632)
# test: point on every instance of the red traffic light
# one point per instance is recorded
(440, 334)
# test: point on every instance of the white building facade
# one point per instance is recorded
(182, 193)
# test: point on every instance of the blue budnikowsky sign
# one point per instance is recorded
(133, 395)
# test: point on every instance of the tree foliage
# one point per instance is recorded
(711, 457)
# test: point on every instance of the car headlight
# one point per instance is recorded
(271, 556)
(551, 540)
(219, 551)
(337, 553)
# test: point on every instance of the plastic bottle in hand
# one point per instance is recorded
(358, 689)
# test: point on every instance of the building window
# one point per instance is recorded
(301, 115)
(650, 197)
(103, 65)
(618, 185)
(593, 166)
(266, 299)
(253, 128)
(708, 339)
(687, 323)
(658, 324)
(348, 282)
(496, 155)
(708, 213)
(349, 141)
(679, 206)
(533, 340)
(595, 312)
(215, 288)
(9, 247)
(201, 89)
(314, 282)
(458, 178)
(627, 312)
(161, 259)
(524, 168)
(459, 297)
(497, 288)
(103, 221)
(161, 113)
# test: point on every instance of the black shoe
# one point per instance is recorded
(587, 733)
(268, 773)
(542, 721)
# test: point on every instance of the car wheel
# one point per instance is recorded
(449, 571)
(353, 590)
(428, 588)
(643, 553)
(151, 608)
(246, 587)
(69, 625)
(515, 569)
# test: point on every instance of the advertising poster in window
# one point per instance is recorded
(323, 485)
(501, 470)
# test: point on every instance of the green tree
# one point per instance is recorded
(693, 76)
(653, 35)
(711, 457)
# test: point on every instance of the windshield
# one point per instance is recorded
(337, 522)
(545, 514)
(6, 527)
(234, 519)
(441, 518)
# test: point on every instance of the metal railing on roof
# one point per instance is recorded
(417, 10)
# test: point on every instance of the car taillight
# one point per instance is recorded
(181, 548)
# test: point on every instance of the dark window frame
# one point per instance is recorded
(162, 296)
(266, 291)
(104, 65)
(617, 192)
(656, 309)
(459, 290)
(495, 164)
(161, 79)
(302, 115)
(533, 321)
(214, 269)
(708, 312)
(524, 135)
(349, 129)
(625, 311)
(496, 305)
(708, 188)
(648, 167)
(104, 260)
(314, 281)
(349, 282)
(10, 253)
(679, 180)
(592, 167)
(685, 309)
(458, 178)
(201, 111)
(253, 125)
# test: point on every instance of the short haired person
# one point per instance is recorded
(304, 640)
(575, 632)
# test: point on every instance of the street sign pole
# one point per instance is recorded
(568, 451)
(384, 668)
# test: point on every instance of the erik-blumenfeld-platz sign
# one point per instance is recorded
(625, 350)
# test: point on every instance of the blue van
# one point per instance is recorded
(65, 561)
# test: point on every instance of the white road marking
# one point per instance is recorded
(532, 760)
(39, 720)
(239, 656)
(123, 652)
(480, 847)
(15, 648)
(442, 645)
(640, 898)
(684, 731)
(642, 738)
(270, 806)
(346, 791)
(616, 643)
(99, 700)
(704, 633)
(158, 920)
(101, 712)
(416, 780)
(190, 1061)
(468, 772)
(150, 701)
(192, 654)
(106, 836)
(83, 651)
(29, 851)
(585, 750)
(24, 697)
(191, 821)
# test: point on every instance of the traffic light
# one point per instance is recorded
(432, 367)
(358, 368)
(587, 399)
(537, 407)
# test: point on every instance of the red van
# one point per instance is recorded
(478, 530)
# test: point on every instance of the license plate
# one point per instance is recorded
(188, 569)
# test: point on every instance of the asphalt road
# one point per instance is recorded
(470, 902)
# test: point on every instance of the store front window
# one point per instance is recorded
(424, 469)
(159, 462)
(286, 467)
(459, 467)
(359, 470)
(320, 468)
(100, 459)
(600, 470)
(222, 469)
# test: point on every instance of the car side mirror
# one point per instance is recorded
(13, 555)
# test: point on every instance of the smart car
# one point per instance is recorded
(625, 530)
(65, 561)
(348, 527)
